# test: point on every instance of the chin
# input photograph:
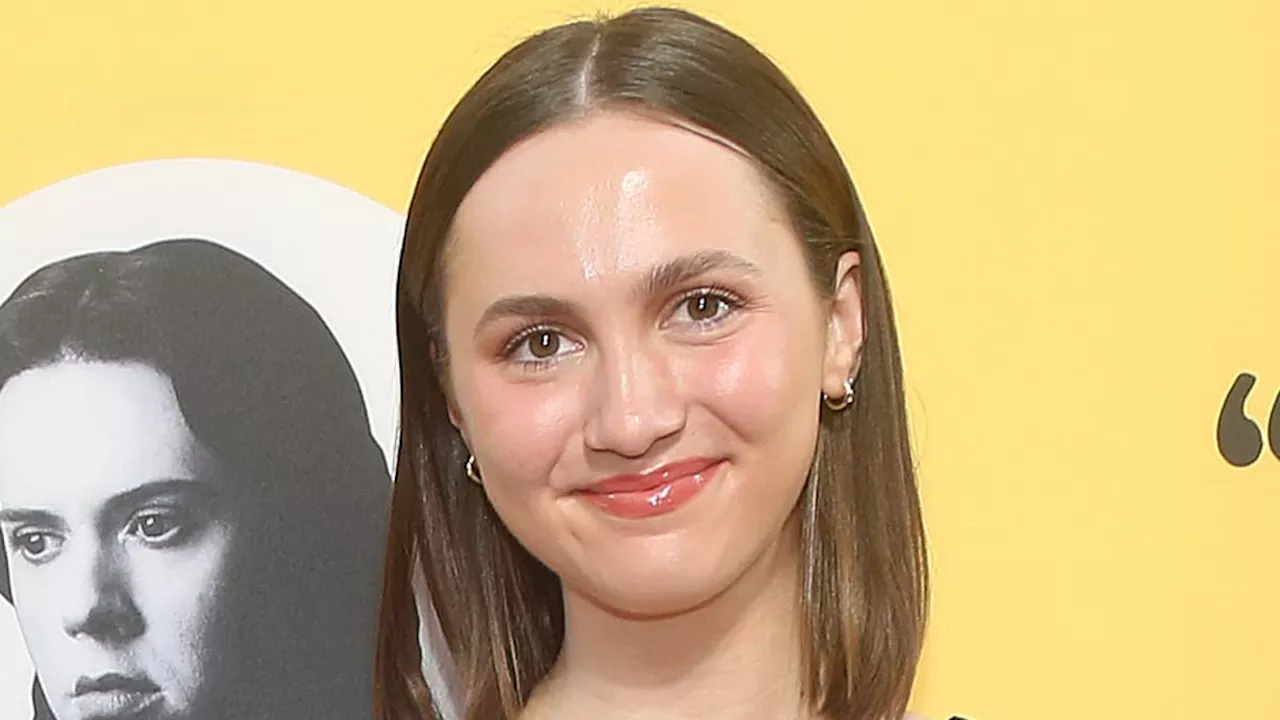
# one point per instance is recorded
(655, 603)
(656, 588)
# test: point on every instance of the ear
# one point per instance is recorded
(455, 417)
(843, 355)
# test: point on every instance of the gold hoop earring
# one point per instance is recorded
(473, 473)
(845, 401)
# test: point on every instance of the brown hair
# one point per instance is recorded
(864, 591)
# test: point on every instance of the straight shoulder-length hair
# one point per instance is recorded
(864, 585)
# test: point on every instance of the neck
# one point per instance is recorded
(736, 657)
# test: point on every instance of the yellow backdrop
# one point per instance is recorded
(1078, 204)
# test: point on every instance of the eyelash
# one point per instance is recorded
(182, 527)
(180, 521)
(20, 538)
(519, 339)
(732, 300)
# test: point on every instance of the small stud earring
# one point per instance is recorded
(472, 472)
(845, 401)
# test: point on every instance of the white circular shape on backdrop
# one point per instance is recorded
(334, 247)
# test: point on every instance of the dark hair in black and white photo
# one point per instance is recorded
(268, 393)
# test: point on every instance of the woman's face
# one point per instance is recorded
(636, 357)
(116, 536)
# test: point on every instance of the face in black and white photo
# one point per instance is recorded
(118, 544)
(192, 505)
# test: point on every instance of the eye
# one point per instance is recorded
(37, 546)
(539, 346)
(707, 306)
(703, 307)
(159, 527)
(544, 344)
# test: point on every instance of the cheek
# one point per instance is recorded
(34, 603)
(178, 591)
(40, 595)
(520, 431)
(761, 383)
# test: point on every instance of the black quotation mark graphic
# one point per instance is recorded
(1240, 438)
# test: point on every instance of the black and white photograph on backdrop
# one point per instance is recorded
(194, 458)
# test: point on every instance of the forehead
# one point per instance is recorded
(75, 433)
(610, 194)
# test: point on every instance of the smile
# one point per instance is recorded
(657, 492)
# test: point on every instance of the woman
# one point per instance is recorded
(653, 457)
(190, 497)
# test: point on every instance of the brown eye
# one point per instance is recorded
(703, 307)
(544, 344)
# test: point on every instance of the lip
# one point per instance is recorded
(112, 695)
(656, 492)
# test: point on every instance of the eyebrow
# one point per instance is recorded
(27, 516)
(669, 275)
(147, 492)
(525, 306)
(659, 280)
(116, 504)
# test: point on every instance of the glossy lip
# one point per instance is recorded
(657, 492)
(113, 695)
(653, 479)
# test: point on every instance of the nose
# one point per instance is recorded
(636, 403)
(97, 601)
